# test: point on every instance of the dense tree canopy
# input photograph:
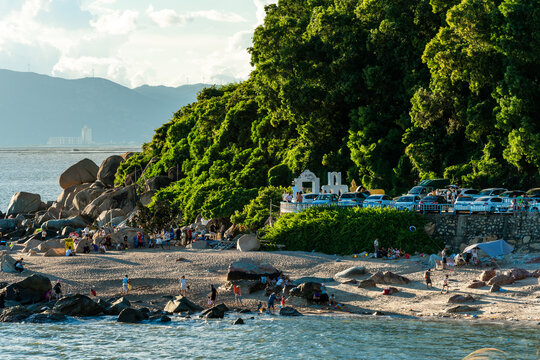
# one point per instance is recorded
(386, 91)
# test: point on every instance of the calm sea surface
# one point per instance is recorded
(36, 170)
(308, 337)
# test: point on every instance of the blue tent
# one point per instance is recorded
(492, 248)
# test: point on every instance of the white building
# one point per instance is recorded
(85, 139)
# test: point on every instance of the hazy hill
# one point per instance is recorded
(35, 107)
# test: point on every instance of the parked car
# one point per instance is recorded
(421, 191)
(431, 203)
(326, 199)
(469, 192)
(377, 201)
(463, 203)
(489, 204)
(308, 198)
(352, 198)
(533, 193)
(512, 194)
(533, 199)
(407, 202)
(491, 192)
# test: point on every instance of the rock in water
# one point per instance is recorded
(31, 290)
(15, 314)
(7, 263)
(107, 170)
(130, 316)
(248, 242)
(77, 305)
(85, 171)
(487, 275)
(306, 290)
(247, 269)
(238, 321)
(23, 202)
(289, 311)
(352, 272)
(117, 306)
(45, 318)
(458, 299)
(181, 304)
(216, 312)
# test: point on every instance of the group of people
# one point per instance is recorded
(388, 253)
(429, 283)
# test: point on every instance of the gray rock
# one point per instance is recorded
(216, 312)
(130, 316)
(107, 170)
(389, 278)
(369, 283)
(289, 311)
(352, 272)
(158, 182)
(247, 269)
(248, 242)
(23, 202)
(476, 284)
(461, 308)
(117, 306)
(459, 299)
(48, 317)
(181, 304)
(15, 314)
(76, 222)
(77, 305)
(31, 290)
(238, 321)
(85, 171)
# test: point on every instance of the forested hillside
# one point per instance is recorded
(386, 91)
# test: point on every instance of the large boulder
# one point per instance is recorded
(116, 307)
(107, 170)
(368, 283)
(289, 311)
(85, 171)
(476, 284)
(352, 272)
(77, 305)
(247, 269)
(7, 263)
(75, 222)
(82, 198)
(501, 280)
(518, 274)
(120, 198)
(130, 316)
(105, 216)
(30, 290)
(536, 273)
(216, 312)
(47, 317)
(389, 278)
(23, 203)
(248, 242)
(79, 246)
(55, 253)
(8, 225)
(461, 308)
(181, 304)
(118, 237)
(306, 290)
(50, 244)
(487, 275)
(31, 244)
(15, 314)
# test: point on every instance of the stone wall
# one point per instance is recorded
(457, 231)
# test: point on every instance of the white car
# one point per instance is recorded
(470, 192)
(463, 203)
(378, 201)
(407, 202)
(352, 199)
(326, 199)
(308, 198)
(491, 192)
(489, 204)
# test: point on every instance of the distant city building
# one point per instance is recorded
(85, 139)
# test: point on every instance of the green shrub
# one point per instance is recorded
(339, 230)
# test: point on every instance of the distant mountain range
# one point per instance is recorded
(34, 108)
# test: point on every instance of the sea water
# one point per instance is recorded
(267, 337)
(36, 170)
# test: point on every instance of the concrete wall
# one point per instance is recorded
(457, 231)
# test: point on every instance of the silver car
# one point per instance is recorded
(378, 201)
(407, 202)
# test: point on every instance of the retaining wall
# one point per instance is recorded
(522, 230)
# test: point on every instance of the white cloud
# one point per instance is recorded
(260, 14)
(116, 22)
(168, 17)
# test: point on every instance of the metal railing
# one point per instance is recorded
(506, 207)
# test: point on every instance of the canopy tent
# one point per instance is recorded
(492, 248)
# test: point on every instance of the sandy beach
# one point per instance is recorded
(155, 277)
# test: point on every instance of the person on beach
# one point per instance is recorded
(19, 265)
(69, 252)
(43, 235)
(126, 246)
(159, 240)
(86, 231)
(333, 301)
(376, 246)
(427, 276)
(475, 257)
(213, 295)
(259, 307)
(271, 301)
(445, 284)
(125, 285)
(57, 289)
(443, 255)
(237, 294)
(102, 248)
(283, 302)
(183, 286)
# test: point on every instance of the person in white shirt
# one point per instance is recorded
(69, 252)
(183, 286)
(86, 231)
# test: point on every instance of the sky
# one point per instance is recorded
(131, 42)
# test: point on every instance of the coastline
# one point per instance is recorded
(155, 277)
